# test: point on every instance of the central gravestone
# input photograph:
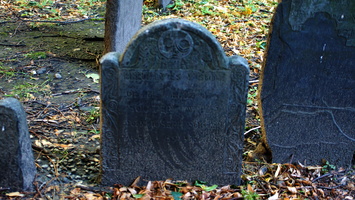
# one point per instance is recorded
(173, 106)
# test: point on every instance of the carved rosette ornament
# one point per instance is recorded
(175, 44)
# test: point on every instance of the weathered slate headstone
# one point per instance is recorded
(122, 20)
(308, 82)
(173, 106)
(17, 163)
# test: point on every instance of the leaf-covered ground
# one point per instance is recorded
(65, 135)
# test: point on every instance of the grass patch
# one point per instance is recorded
(26, 91)
(36, 55)
(6, 72)
(47, 9)
(92, 116)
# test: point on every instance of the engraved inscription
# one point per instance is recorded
(176, 107)
(173, 75)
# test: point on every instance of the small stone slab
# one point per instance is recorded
(123, 20)
(173, 106)
(308, 83)
(17, 164)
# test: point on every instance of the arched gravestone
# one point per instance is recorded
(173, 106)
(308, 82)
(16, 158)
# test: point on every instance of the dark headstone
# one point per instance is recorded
(16, 158)
(308, 82)
(173, 106)
(123, 19)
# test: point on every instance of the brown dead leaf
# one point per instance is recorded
(293, 190)
(75, 191)
(250, 188)
(135, 182)
(53, 187)
(305, 182)
(15, 194)
(94, 137)
(93, 196)
(64, 146)
(321, 192)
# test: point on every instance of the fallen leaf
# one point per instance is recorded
(176, 195)
(138, 195)
(15, 194)
(250, 189)
(274, 197)
(293, 190)
(94, 137)
(75, 191)
(93, 196)
(210, 188)
(95, 77)
(64, 146)
(278, 170)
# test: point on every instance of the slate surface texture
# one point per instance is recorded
(308, 83)
(173, 106)
(17, 164)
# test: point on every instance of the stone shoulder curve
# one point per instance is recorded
(161, 26)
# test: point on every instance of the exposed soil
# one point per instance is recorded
(35, 53)
(49, 67)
